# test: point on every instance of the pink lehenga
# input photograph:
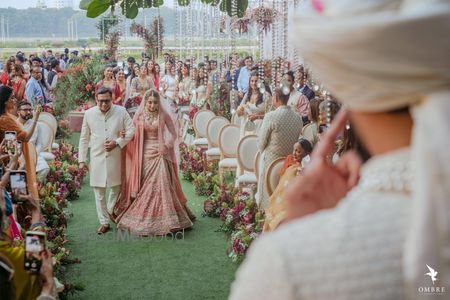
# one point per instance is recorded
(152, 201)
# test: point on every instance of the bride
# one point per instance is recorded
(152, 201)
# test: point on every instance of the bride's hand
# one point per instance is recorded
(323, 184)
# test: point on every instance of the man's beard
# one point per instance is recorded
(27, 117)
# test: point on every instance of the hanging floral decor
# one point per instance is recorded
(264, 17)
(241, 25)
(153, 37)
(112, 43)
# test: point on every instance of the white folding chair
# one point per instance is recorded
(272, 176)
(212, 134)
(200, 122)
(228, 144)
(247, 150)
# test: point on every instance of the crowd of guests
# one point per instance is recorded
(335, 224)
(27, 85)
(20, 153)
(34, 78)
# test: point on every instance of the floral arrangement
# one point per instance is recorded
(221, 198)
(244, 222)
(242, 219)
(62, 186)
(219, 100)
(153, 36)
(241, 24)
(205, 181)
(76, 87)
(192, 161)
(264, 17)
(112, 42)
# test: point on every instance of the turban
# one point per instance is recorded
(383, 55)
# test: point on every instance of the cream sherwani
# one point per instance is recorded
(278, 134)
(105, 167)
(352, 251)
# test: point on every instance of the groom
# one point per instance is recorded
(101, 130)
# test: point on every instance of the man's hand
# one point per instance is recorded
(323, 184)
(253, 117)
(110, 145)
(83, 166)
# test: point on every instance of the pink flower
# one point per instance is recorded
(318, 6)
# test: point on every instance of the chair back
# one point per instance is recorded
(49, 119)
(213, 128)
(201, 119)
(309, 132)
(272, 176)
(229, 141)
(247, 149)
(45, 136)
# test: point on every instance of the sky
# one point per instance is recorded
(23, 4)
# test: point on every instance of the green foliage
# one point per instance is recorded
(97, 7)
(76, 86)
(130, 8)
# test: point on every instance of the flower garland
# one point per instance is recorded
(264, 17)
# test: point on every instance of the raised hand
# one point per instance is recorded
(323, 184)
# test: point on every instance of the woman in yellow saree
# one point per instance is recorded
(276, 211)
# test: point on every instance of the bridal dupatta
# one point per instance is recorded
(132, 156)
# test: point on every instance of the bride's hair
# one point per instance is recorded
(151, 93)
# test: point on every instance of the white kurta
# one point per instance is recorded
(41, 163)
(105, 167)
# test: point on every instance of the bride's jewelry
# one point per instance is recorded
(151, 116)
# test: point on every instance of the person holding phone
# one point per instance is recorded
(9, 122)
(20, 283)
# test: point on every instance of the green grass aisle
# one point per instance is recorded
(195, 267)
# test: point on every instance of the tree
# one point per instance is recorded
(130, 8)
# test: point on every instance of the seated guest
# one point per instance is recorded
(293, 166)
(370, 237)
(279, 131)
(311, 130)
(25, 118)
(298, 102)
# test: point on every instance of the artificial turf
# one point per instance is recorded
(113, 267)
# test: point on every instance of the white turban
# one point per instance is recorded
(381, 55)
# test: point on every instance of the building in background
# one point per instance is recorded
(41, 4)
(58, 4)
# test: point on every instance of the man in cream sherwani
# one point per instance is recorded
(101, 131)
(278, 134)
